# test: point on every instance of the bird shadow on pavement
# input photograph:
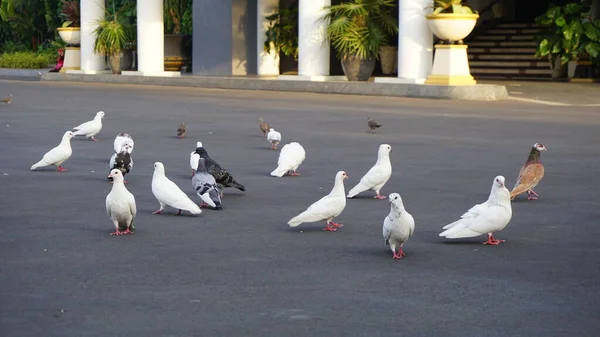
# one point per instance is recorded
(305, 229)
(461, 242)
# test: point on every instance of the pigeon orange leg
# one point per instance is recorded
(94, 139)
(117, 232)
(336, 225)
(294, 174)
(178, 213)
(492, 241)
(379, 196)
(531, 195)
(329, 227)
(157, 212)
(127, 231)
(399, 254)
(61, 169)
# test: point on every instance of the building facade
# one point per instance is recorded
(228, 36)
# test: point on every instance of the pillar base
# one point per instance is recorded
(72, 59)
(314, 78)
(154, 74)
(450, 66)
(399, 80)
(88, 72)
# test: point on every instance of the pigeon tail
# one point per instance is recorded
(357, 190)
(297, 220)
(459, 231)
(280, 171)
(237, 185)
(40, 163)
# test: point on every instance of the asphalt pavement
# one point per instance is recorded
(242, 271)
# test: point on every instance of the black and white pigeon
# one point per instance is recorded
(205, 185)
(122, 161)
(224, 179)
(122, 138)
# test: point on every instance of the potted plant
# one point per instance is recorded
(357, 29)
(452, 20)
(112, 40)
(178, 29)
(70, 32)
(568, 33)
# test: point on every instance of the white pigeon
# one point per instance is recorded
(274, 138)
(326, 208)
(121, 139)
(120, 205)
(169, 194)
(398, 226)
(90, 129)
(57, 155)
(486, 218)
(377, 176)
(290, 157)
(193, 161)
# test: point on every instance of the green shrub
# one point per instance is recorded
(26, 60)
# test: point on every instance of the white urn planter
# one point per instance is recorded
(72, 37)
(450, 63)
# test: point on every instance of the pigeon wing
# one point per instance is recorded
(529, 176)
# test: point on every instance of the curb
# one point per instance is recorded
(480, 92)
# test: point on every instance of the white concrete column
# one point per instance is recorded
(150, 37)
(90, 12)
(268, 63)
(313, 48)
(415, 41)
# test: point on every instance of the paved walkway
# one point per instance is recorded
(552, 93)
(548, 93)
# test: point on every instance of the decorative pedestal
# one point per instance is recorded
(72, 59)
(450, 66)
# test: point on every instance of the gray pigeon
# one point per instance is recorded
(372, 124)
(205, 185)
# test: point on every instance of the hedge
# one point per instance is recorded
(26, 60)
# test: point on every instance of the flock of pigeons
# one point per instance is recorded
(209, 180)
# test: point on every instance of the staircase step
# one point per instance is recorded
(485, 37)
(505, 50)
(512, 78)
(512, 71)
(503, 57)
(507, 31)
(502, 44)
(510, 64)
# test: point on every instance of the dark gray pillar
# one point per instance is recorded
(212, 37)
(224, 37)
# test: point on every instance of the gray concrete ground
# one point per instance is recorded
(243, 271)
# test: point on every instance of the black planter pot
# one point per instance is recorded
(357, 69)
(123, 61)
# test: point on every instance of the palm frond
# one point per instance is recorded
(360, 27)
